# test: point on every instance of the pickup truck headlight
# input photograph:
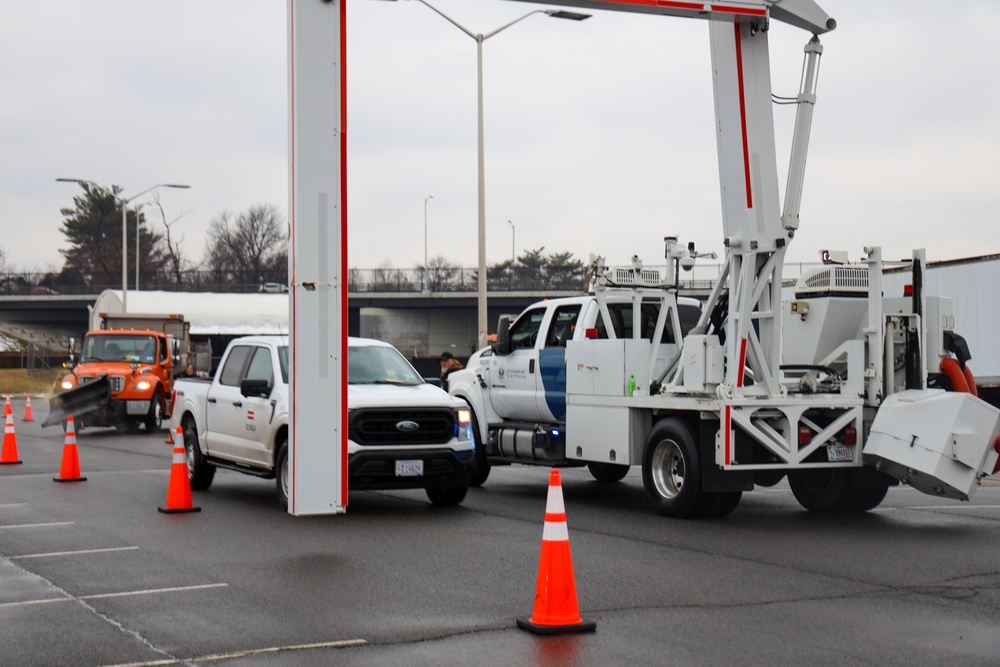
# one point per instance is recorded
(142, 385)
(463, 426)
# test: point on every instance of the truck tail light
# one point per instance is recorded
(591, 333)
(170, 406)
(805, 435)
(850, 436)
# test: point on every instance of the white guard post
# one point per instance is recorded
(318, 257)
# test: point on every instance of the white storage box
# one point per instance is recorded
(936, 441)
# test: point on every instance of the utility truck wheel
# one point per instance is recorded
(482, 469)
(446, 495)
(670, 469)
(717, 505)
(281, 473)
(607, 472)
(864, 498)
(200, 473)
(826, 490)
(154, 422)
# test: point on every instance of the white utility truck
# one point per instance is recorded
(402, 433)
(830, 389)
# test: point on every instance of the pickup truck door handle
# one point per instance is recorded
(238, 404)
(531, 366)
(211, 399)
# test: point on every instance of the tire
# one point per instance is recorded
(826, 490)
(154, 422)
(864, 498)
(446, 495)
(607, 472)
(717, 505)
(482, 465)
(670, 469)
(200, 473)
(281, 473)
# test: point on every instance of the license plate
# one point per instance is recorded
(409, 468)
(836, 453)
(136, 407)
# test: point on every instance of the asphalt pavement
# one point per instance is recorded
(91, 574)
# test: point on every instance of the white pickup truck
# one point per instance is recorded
(402, 432)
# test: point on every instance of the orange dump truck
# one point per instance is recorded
(125, 373)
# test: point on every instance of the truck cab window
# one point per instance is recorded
(563, 325)
(233, 370)
(524, 332)
(260, 366)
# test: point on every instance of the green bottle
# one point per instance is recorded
(631, 385)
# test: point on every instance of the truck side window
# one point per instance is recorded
(562, 326)
(233, 370)
(524, 332)
(260, 366)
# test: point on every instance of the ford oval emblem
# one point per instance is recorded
(407, 426)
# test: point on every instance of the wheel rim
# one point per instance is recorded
(669, 469)
(189, 455)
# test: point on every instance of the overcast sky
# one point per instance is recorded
(599, 134)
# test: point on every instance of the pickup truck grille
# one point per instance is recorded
(396, 427)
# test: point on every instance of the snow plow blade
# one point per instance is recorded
(78, 401)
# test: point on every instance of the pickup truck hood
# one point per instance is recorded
(389, 395)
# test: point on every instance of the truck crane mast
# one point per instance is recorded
(750, 396)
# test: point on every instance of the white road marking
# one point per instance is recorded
(344, 643)
(72, 553)
(38, 525)
(9, 505)
(101, 596)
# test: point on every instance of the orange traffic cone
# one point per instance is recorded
(70, 471)
(179, 492)
(6, 408)
(27, 411)
(170, 436)
(8, 454)
(556, 609)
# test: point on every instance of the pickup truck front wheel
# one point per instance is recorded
(200, 473)
(446, 495)
(281, 473)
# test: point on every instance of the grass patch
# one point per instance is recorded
(42, 381)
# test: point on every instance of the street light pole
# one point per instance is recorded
(425, 236)
(124, 204)
(480, 38)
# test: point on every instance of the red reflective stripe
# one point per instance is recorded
(743, 115)
(743, 361)
(343, 252)
(555, 518)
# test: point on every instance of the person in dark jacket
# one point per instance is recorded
(449, 364)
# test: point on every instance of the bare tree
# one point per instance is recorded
(252, 243)
(175, 261)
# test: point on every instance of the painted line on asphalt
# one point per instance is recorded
(38, 525)
(81, 552)
(102, 596)
(9, 505)
(235, 655)
(940, 507)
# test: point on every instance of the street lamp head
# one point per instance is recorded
(169, 185)
(570, 16)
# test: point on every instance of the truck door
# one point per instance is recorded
(513, 376)
(251, 443)
(223, 410)
(550, 382)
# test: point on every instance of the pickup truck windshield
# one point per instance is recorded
(115, 347)
(379, 365)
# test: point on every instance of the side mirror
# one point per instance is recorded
(502, 346)
(255, 388)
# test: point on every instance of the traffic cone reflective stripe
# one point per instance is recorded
(70, 471)
(6, 408)
(8, 453)
(27, 410)
(179, 491)
(556, 609)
